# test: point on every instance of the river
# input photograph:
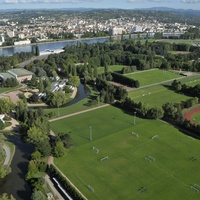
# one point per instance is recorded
(8, 51)
(15, 183)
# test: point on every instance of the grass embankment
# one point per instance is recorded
(128, 173)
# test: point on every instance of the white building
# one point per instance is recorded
(137, 29)
(11, 34)
(2, 39)
(23, 42)
(116, 31)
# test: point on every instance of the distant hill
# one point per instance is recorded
(186, 12)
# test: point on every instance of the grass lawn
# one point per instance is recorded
(157, 95)
(127, 173)
(8, 89)
(79, 106)
(179, 41)
(112, 68)
(152, 76)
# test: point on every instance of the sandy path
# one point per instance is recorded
(77, 113)
(14, 125)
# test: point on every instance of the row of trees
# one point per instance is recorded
(125, 80)
(67, 186)
(10, 82)
(110, 92)
(7, 62)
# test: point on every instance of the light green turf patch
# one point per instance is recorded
(112, 68)
(127, 173)
(157, 95)
(152, 76)
(196, 118)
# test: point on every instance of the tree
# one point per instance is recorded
(36, 155)
(5, 105)
(5, 196)
(56, 99)
(37, 51)
(38, 195)
(59, 149)
(74, 80)
(36, 135)
(3, 172)
(40, 85)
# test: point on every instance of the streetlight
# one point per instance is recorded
(90, 133)
(134, 117)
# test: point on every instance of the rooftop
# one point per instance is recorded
(20, 72)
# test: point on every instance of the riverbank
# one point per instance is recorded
(55, 41)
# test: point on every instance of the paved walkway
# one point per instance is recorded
(8, 154)
(55, 192)
(77, 113)
(71, 183)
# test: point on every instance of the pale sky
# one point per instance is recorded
(124, 4)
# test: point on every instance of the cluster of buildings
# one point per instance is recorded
(41, 27)
(18, 73)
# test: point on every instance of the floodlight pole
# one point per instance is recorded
(134, 117)
(90, 133)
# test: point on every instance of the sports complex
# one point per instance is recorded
(116, 155)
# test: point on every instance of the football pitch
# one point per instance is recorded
(148, 160)
(157, 95)
(148, 77)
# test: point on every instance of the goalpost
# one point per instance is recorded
(134, 134)
(104, 158)
(95, 149)
(154, 137)
(150, 158)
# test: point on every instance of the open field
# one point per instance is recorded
(196, 41)
(152, 76)
(157, 95)
(112, 68)
(137, 167)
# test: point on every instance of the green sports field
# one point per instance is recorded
(152, 76)
(157, 95)
(165, 167)
(196, 118)
(112, 68)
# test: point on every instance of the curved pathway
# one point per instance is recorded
(8, 154)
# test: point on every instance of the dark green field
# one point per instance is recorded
(165, 167)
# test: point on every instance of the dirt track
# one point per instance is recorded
(189, 114)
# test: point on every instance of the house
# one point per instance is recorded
(1, 118)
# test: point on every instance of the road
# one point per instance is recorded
(32, 59)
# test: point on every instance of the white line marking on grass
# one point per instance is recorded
(87, 186)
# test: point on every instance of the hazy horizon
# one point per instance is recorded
(118, 4)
